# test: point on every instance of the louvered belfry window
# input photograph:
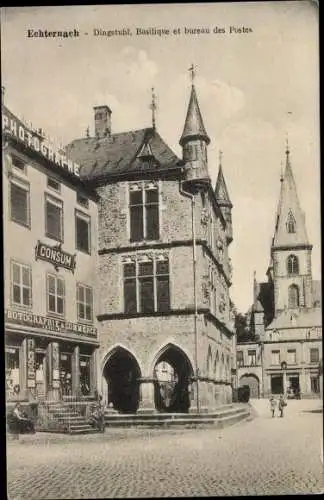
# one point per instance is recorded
(144, 211)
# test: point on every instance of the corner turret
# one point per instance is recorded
(224, 201)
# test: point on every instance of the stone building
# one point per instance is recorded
(165, 275)
(286, 317)
(50, 263)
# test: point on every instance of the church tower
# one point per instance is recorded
(224, 201)
(194, 140)
(290, 250)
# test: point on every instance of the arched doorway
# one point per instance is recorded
(122, 374)
(172, 391)
(253, 382)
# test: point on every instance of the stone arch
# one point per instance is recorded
(173, 395)
(253, 382)
(122, 373)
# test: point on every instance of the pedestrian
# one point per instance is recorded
(273, 405)
(281, 405)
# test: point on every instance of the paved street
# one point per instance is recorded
(262, 457)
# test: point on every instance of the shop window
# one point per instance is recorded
(314, 355)
(275, 357)
(55, 295)
(315, 386)
(252, 357)
(291, 357)
(20, 202)
(54, 218)
(239, 358)
(82, 229)
(85, 374)
(84, 303)
(144, 212)
(12, 372)
(146, 286)
(21, 284)
(82, 200)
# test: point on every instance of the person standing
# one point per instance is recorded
(273, 405)
(281, 405)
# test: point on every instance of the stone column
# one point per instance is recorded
(76, 371)
(93, 372)
(31, 369)
(23, 369)
(54, 370)
(146, 403)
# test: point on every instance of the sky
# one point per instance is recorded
(255, 89)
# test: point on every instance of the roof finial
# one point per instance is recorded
(88, 132)
(220, 156)
(153, 108)
(281, 172)
(192, 73)
(287, 149)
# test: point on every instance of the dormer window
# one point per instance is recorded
(291, 223)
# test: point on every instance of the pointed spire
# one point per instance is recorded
(153, 107)
(194, 126)
(221, 192)
(290, 228)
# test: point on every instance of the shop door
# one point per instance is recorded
(85, 365)
(66, 373)
(40, 359)
(277, 384)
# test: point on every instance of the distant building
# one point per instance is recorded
(286, 316)
(50, 258)
(165, 275)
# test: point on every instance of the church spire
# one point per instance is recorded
(194, 126)
(221, 191)
(290, 228)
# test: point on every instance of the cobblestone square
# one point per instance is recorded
(264, 456)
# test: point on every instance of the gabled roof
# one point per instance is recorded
(122, 153)
(289, 209)
(194, 126)
(221, 191)
(302, 318)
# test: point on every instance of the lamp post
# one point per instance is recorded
(284, 377)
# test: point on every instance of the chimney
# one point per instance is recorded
(102, 116)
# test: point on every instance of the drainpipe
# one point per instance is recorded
(194, 264)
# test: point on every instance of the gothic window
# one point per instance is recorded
(291, 223)
(292, 264)
(293, 296)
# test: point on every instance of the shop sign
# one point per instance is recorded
(50, 324)
(55, 255)
(37, 142)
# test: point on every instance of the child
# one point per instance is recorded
(273, 405)
(282, 404)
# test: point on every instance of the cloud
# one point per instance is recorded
(136, 67)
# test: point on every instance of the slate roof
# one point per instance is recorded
(289, 206)
(221, 191)
(119, 154)
(302, 318)
(194, 125)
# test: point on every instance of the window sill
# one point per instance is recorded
(27, 225)
(54, 238)
(88, 322)
(54, 315)
(21, 307)
(86, 252)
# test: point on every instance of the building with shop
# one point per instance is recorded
(50, 261)
(284, 354)
(165, 274)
